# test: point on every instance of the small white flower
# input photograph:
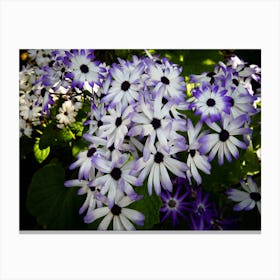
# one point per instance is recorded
(249, 198)
(66, 114)
(24, 128)
(118, 212)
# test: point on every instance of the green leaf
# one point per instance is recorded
(80, 145)
(54, 205)
(149, 206)
(40, 154)
(77, 128)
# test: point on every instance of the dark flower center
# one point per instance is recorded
(111, 148)
(235, 82)
(192, 153)
(116, 173)
(84, 68)
(51, 63)
(126, 137)
(224, 135)
(231, 101)
(212, 80)
(125, 86)
(211, 74)
(164, 80)
(255, 196)
(172, 203)
(99, 123)
(158, 61)
(62, 70)
(200, 209)
(211, 102)
(118, 121)
(164, 100)
(66, 113)
(158, 157)
(91, 151)
(43, 92)
(156, 123)
(116, 210)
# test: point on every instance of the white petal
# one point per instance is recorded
(105, 222)
(126, 223)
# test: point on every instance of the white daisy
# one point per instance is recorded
(66, 114)
(118, 212)
(249, 198)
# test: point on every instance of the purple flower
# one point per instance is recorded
(175, 204)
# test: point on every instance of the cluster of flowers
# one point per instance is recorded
(139, 130)
(191, 206)
(52, 76)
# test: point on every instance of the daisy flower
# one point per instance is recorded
(224, 141)
(196, 160)
(117, 175)
(115, 125)
(82, 68)
(248, 198)
(66, 114)
(209, 102)
(122, 216)
(125, 85)
(165, 75)
(241, 104)
(153, 120)
(174, 204)
(84, 162)
(155, 167)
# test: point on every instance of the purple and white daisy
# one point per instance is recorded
(155, 167)
(248, 198)
(125, 86)
(196, 160)
(224, 141)
(165, 75)
(153, 120)
(175, 204)
(82, 68)
(117, 175)
(241, 103)
(209, 102)
(84, 161)
(115, 125)
(122, 216)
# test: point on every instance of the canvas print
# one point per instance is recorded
(146, 140)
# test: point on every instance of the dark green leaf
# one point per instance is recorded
(54, 205)
(149, 206)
